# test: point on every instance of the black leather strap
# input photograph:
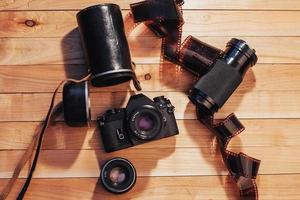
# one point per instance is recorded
(33, 149)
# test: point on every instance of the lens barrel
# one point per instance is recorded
(118, 175)
(239, 55)
(105, 44)
(213, 89)
(76, 103)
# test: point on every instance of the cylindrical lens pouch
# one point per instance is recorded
(76, 103)
(105, 45)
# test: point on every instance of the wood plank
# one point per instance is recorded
(191, 4)
(34, 59)
(199, 187)
(268, 132)
(30, 51)
(16, 79)
(201, 24)
(145, 188)
(153, 162)
(261, 104)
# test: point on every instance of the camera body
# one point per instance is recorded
(142, 120)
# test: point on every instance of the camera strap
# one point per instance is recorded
(165, 20)
(34, 148)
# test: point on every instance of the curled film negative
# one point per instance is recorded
(165, 20)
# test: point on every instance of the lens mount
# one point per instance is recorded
(145, 122)
(118, 175)
(202, 101)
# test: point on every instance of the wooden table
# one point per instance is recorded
(39, 47)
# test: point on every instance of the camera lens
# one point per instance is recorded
(213, 89)
(146, 123)
(118, 175)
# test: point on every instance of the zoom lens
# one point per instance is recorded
(146, 123)
(227, 72)
(118, 175)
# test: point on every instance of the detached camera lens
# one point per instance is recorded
(227, 72)
(118, 175)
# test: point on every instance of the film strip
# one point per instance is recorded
(165, 19)
(241, 167)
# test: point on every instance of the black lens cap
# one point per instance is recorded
(118, 175)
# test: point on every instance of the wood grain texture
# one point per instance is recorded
(201, 24)
(34, 59)
(31, 51)
(153, 162)
(190, 4)
(263, 133)
(160, 188)
(44, 78)
(33, 107)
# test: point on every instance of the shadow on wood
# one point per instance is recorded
(148, 165)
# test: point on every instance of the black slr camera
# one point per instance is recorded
(141, 121)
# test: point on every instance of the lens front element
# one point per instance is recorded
(118, 175)
(146, 123)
